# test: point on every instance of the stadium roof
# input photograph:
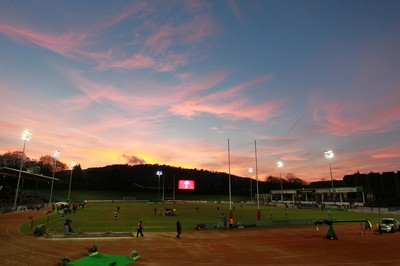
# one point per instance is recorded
(24, 174)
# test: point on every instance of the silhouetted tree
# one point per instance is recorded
(48, 161)
(291, 178)
(272, 179)
(12, 159)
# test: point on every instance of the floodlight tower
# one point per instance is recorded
(279, 164)
(251, 185)
(26, 136)
(159, 173)
(329, 155)
(258, 194)
(229, 182)
(56, 155)
(70, 179)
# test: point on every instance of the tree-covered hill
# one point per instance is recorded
(144, 177)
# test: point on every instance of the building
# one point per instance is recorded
(341, 196)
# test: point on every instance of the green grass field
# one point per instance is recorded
(99, 217)
(81, 195)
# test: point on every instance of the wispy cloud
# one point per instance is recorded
(391, 152)
(236, 11)
(169, 81)
(230, 103)
(113, 95)
(156, 49)
(351, 116)
(68, 44)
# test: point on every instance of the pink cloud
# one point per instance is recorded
(68, 44)
(171, 62)
(73, 45)
(386, 155)
(294, 158)
(229, 103)
(77, 44)
(243, 86)
(369, 101)
(236, 11)
(158, 52)
(137, 9)
(233, 109)
(390, 152)
(198, 29)
(137, 61)
(355, 116)
(107, 95)
(189, 85)
(166, 36)
(160, 41)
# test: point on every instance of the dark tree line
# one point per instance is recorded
(143, 177)
(382, 189)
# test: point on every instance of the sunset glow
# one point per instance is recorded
(165, 82)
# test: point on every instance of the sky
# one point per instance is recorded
(213, 85)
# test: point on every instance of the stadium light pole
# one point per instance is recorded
(159, 173)
(70, 179)
(329, 155)
(251, 185)
(163, 185)
(229, 176)
(56, 155)
(279, 164)
(173, 191)
(258, 194)
(26, 136)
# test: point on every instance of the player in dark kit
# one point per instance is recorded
(139, 229)
(178, 229)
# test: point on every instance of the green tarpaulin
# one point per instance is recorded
(102, 260)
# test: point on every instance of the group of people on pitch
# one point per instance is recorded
(140, 229)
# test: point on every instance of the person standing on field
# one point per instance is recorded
(368, 225)
(225, 223)
(231, 223)
(139, 229)
(178, 229)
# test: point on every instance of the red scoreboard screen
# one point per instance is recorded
(186, 184)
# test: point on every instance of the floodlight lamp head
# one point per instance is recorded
(329, 154)
(279, 164)
(57, 154)
(250, 170)
(159, 173)
(73, 164)
(27, 135)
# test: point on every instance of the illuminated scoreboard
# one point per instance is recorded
(186, 184)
